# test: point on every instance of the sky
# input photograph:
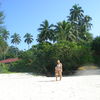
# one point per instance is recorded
(25, 16)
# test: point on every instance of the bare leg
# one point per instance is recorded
(56, 75)
(56, 78)
(60, 76)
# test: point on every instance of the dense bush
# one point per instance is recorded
(24, 63)
(96, 49)
(72, 55)
(4, 68)
(41, 58)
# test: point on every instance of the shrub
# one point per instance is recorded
(96, 49)
(3, 68)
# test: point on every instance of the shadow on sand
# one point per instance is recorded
(48, 81)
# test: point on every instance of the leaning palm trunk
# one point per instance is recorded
(4, 52)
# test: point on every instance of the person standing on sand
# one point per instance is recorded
(58, 70)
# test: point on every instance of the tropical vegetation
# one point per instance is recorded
(69, 40)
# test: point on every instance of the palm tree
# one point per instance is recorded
(28, 38)
(63, 31)
(76, 17)
(1, 17)
(15, 39)
(86, 23)
(85, 26)
(76, 14)
(5, 34)
(3, 47)
(46, 32)
(80, 23)
(1, 21)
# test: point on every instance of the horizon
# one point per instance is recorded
(26, 16)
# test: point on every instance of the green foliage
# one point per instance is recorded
(96, 45)
(5, 34)
(1, 17)
(72, 55)
(41, 59)
(3, 48)
(76, 28)
(24, 64)
(96, 49)
(63, 31)
(28, 39)
(15, 39)
(11, 52)
(3, 37)
(80, 23)
(46, 32)
(4, 68)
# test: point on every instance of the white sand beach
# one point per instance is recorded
(23, 86)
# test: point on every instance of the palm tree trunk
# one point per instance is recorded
(28, 46)
(16, 51)
(4, 52)
(3, 55)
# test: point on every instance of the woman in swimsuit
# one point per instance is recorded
(58, 70)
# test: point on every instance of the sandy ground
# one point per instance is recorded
(23, 86)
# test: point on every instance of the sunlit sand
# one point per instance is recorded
(24, 86)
